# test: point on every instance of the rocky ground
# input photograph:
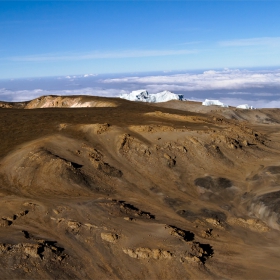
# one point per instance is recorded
(128, 190)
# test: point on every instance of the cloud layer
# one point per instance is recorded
(25, 95)
(234, 87)
(208, 80)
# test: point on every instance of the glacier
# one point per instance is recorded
(143, 96)
(209, 102)
(244, 106)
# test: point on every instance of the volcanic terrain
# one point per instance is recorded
(114, 189)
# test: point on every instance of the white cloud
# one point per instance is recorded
(262, 41)
(99, 55)
(89, 75)
(208, 80)
(263, 94)
(236, 93)
(266, 94)
(234, 87)
(25, 95)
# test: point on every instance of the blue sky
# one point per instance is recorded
(50, 38)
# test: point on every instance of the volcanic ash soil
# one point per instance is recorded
(128, 190)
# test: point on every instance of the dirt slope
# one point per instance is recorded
(139, 191)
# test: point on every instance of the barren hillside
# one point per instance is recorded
(128, 190)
